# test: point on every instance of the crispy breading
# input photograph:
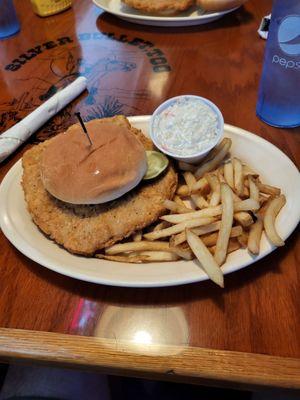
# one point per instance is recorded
(85, 229)
(166, 7)
(219, 5)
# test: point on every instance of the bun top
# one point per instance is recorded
(75, 172)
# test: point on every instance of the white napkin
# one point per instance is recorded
(19, 133)
(264, 27)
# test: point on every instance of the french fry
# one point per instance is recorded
(226, 224)
(142, 257)
(178, 200)
(248, 171)
(190, 180)
(267, 189)
(220, 153)
(220, 175)
(269, 220)
(161, 225)
(236, 231)
(183, 166)
(190, 204)
(123, 258)
(154, 256)
(202, 230)
(254, 191)
(137, 237)
(176, 208)
(207, 262)
(235, 197)
(205, 212)
(220, 169)
(263, 198)
(246, 192)
(233, 245)
(243, 218)
(238, 176)
(219, 172)
(261, 212)
(137, 246)
(200, 186)
(243, 239)
(182, 252)
(183, 191)
(213, 152)
(214, 183)
(173, 230)
(243, 205)
(255, 237)
(228, 174)
(246, 205)
(199, 201)
(211, 239)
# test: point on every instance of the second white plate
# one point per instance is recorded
(274, 167)
(193, 16)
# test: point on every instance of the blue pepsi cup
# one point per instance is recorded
(279, 93)
(9, 23)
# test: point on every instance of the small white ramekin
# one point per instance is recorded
(193, 158)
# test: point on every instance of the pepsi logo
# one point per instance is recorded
(289, 35)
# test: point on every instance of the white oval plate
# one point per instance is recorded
(193, 16)
(273, 165)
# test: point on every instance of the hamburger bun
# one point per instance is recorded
(75, 172)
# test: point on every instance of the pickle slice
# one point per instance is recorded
(157, 163)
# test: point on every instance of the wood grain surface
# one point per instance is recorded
(131, 69)
(171, 363)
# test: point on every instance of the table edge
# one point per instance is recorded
(162, 362)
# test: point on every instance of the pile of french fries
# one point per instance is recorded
(220, 206)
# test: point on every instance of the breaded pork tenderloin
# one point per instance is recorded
(85, 229)
(161, 7)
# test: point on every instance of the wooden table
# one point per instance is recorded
(245, 335)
